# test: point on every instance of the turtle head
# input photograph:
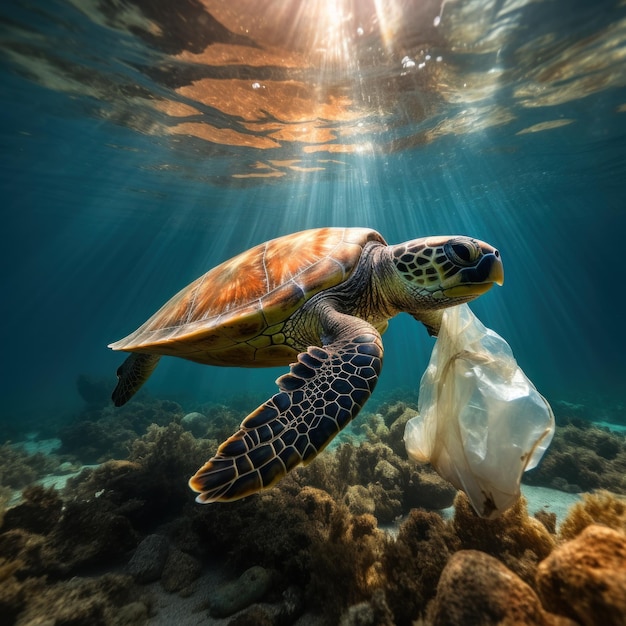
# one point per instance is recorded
(438, 272)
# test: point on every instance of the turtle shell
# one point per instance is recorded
(234, 314)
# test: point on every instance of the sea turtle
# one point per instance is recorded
(316, 300)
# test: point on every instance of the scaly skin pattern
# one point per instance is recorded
(318, 300)
(323, 391)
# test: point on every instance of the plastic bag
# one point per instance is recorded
(481, 422)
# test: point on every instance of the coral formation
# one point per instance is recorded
(476, 588)
(102, 433)
(18, 468)
(601, 507)
(583, 457)
(413, 563)
(585, 578)
(106, 601)
(316, 536)
(518, 540)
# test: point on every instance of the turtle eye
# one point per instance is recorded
(462, 251)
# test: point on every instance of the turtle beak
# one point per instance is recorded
(474, 281)
(496, 275)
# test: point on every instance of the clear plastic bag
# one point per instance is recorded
(481, 422)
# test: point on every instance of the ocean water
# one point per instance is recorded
(142, 144)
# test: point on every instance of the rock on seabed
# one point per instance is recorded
(585, 578)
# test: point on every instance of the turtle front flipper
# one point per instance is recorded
(322, 392)
(132, 374)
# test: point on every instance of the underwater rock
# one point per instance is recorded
(372, 613)
(93, 442)
(375, 500)
(585, 578)
(249, 588)
(132, 614)
(256, 615)
(86, 533)
(395, 439)
(387, 474)
(89, 532)
(476, 588)
(68, 467)
(426, 489)
(148, 560)
(387, 503)
(180, 570)
(14, 592)
(195, 423)
(292, 605)
(283, 613)
(99, 434)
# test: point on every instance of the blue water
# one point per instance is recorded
(108, 208)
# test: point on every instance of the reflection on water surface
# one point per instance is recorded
(297, 84)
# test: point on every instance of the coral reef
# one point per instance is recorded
(476, 588)
(601, 507)
(413, 563)
(376, 477)
(518, 540)
(585, 578)
(110, 600)
(18, 468)
(315, 540)
(582, 457)
(100, 433)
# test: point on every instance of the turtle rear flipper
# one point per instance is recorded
(319, 396)
(132, 374)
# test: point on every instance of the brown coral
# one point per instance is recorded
(601, 507)
(18, 468)
(413, 563)
(476, 588)
(583, 457)
(518, 540)
(585, 579)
